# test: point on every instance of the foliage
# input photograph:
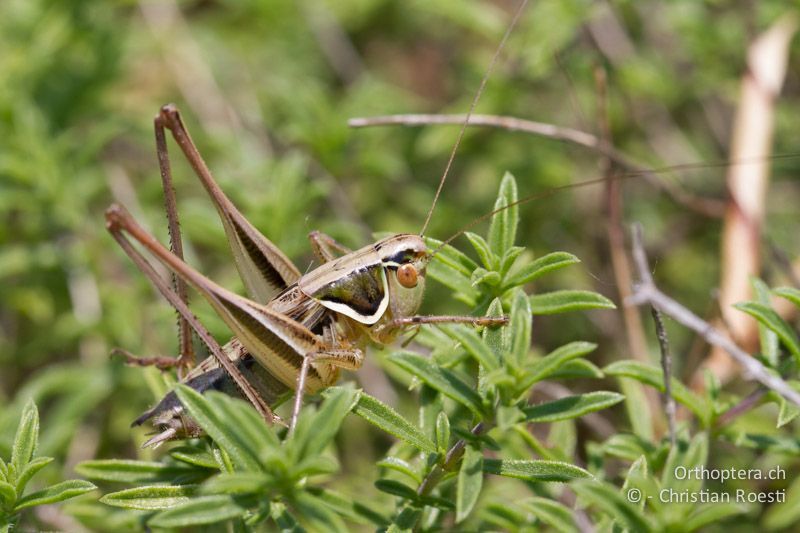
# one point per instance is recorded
(19, 470)
(267, 102)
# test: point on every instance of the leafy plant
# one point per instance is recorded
(17, 472)
(474, 408)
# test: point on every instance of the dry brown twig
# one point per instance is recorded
(705, 206)
(741, 238)
(646, 292)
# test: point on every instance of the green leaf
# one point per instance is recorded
(768, 339)
(473, 344)
(503, 228)
(441, 379)
(654, 377)
(7, 496)
(442, 432)
(540, 267)
(520, 329)
(556, 515)
(487, 277)
(488, 258)
(552, 362)
(127, 471)
(787, 412)
(396, 488)
(470, 481)
(713, 513)
(551, 303)
(789, 293)
(233, 483)
(345, 506)
(26, 438)
(399, 465)
(608, 499)
(194, 456)
(212, 412)
(198, 511)
(509, 259)
(571, 406)
(787, 513)
(534, 470)
(578, 368)
(30, 470)
(55, 493)
(769, 318)
(150, 497)
(381, 415)
(312, 439)
(461, 285)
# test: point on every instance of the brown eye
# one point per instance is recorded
(407, 276)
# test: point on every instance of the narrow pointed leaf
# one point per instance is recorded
(442, 432)
(348, 507)
(55, 493)
(767, 338)
(520, 329)
(127, 471)
(399, 465)
(338, 402)
(789, 293)
(452, 258)
(198, 511)
(214, 419)
(396, 488)
(654, 377)
(552, 362)
(609, 500)
(534, 470)
(551, 303)
(150, 497)
(487, 257)
(473, 344)
(571, 406)
(232, 483)
(7, 495)
(381, 415)
(556, 515)
(440, 379)
(503, 228)
(705, 515)
(31, 470)
(26, 438)
(470, 481)
(540, 267)
(769, 318)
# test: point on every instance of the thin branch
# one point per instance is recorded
(666, 367)
(705, 206)
(647, 292)
(742, 407)
(450, 460)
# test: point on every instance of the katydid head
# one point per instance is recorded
(405, 258)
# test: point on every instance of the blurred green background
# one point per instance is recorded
(266, 89)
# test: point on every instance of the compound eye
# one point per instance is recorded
(407, 275)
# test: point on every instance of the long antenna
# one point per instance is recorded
(596, 181)
(472, 106)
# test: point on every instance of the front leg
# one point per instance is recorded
(348, 359)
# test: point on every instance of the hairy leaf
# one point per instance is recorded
(571, 406)
(381, 415)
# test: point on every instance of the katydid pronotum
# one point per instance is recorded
(294, 331)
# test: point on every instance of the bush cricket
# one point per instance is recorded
(294, 331)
